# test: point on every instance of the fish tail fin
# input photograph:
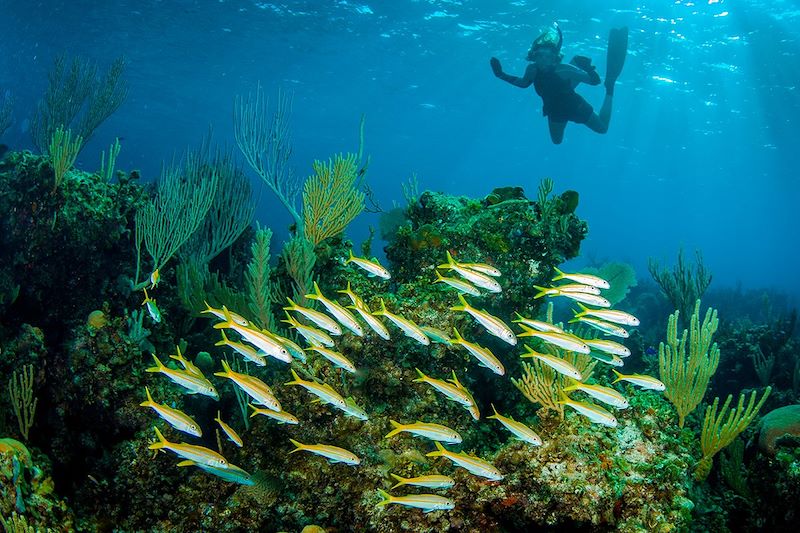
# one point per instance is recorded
(386, 498)
(455, 381)
(224, 340)
(298, 446)
(162, 442)
(422, 377)
(464, 304)
(226, 370)
(458, 338)
(439, 450)
(400, 481)
(619, 376)
(584, 309)
(149, 401)
(542, 291)
(316, 295)
(398, 427)
(254, 408)
(350, 259)
(208, 308)
(495, 415)
(295, 378)
(292, 305)
(382, 311)
(562, 396)
(219, 418)
(158, 367)
(574, 320)
(573, 384)
(146, 297)
(559, 274)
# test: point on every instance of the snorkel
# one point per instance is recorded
(549, 41)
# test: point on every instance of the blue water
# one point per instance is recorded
(701, 151)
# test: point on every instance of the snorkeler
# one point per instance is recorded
(555, 81)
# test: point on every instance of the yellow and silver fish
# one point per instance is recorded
(483, 268)
(609, 315)
(450, 391)
(518, 429)
(609, 347)
(476, 278)
(475, 465)
(372, 321)
(192, 452)
(220, 313)
(473, 408)
(339, 312)
(187, 365)
(323, 391)
(643, 381)
(408, 327)
(152, 308)
(254, 387)
(317, 317)
(458, 284)
(427, 502)
(595, 413)
(493, 325)
(432, 481)
(538, 325)
(310, 334)
(264, 342)
(194, 384)
(229, 431)
(484, 356)
(591, 299)
(436, 335)
(281, 416)
(428, 430)
(248, 352)
(607, 395)
(353, 410)
(583, 279)
(175, 417)
(606, 327)
(155, 277)
(567, 341)
(556, 363)
(373, 268)
(334, 454)
(292, 347)
(338, 360)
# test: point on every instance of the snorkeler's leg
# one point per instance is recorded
(599, 121)
(556, 130)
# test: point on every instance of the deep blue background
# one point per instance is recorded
(701, 152)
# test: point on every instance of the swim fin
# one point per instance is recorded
(615, 60)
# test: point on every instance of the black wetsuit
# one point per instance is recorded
(561, 102)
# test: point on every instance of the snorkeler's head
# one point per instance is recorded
(546, 47)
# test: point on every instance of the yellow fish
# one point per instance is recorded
(475, 465)
(320, 319)
(229, 431)
(583, 279)
(374, 268)
(175, 417)
(518, 429)
(254, 387)
(645, 382)
(493, 325)
(334, 454)
(427, 502)
(484, 356)
(152, 308)
(450, 391)
(433, 481)
(339, 312)
(198, 454)
(408, 327)
(323, 391)
(191, 382)
(428, 430)
(281, 416)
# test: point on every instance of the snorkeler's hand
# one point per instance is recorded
(496, 67)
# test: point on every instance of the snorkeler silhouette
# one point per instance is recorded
(555, 81)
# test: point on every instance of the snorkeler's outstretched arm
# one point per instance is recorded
(525, 81)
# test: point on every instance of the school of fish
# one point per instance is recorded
(319, 327)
